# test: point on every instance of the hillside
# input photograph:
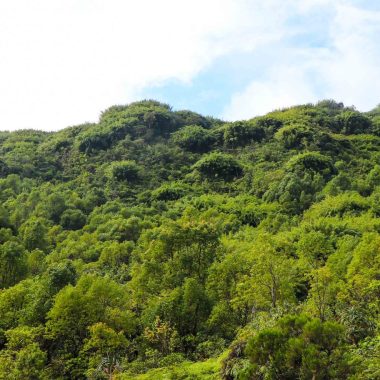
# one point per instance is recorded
(161, 244)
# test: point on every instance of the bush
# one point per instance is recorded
(376, 125)
(125, 171)
(145, 119)
(93, 140)
(299, 347)
(351, 122)
(268, 124)
(192, 118)
(73, 219)
(330, 106)
(219, 166)
(194, 139)
(169, 192)
(242, 133)
(311, 161)
(294, 136)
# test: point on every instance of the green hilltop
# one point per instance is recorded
(161, 244)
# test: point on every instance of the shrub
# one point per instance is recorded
(295, 135)
(73, 219)
(93, 140)
(268, 124)
(194, 139)
(242, 133)
(192, 118)
(169, 192)
(125, 171)
(352, 122)
(219, 166)
(311, 161)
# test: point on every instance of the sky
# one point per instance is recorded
(62, 62)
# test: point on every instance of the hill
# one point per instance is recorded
(165, 244)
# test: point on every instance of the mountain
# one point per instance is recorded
(161, 244)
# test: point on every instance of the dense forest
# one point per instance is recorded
(161, 244)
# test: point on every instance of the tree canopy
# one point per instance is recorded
(163, 244)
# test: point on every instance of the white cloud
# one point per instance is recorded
(284, 87)
(353, 70)
(347, 69)
(62, 61)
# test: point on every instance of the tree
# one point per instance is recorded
(13, 302)
(93, 140)
(195, 306)
(193, 138)
(359, 298)
(170, 192)
(313, 162)
(241, 133)
(13, 263)
(23, 357)
(35, 262)
(322, 294)
(58, 275)
(161, 123)
(366, 358)
(192, 118)
(34, 234)
(73, 219)
(297, 136)
(104, 349)
(219, 166)
(161, 335)
(331, 106)
(313, 248)
(125, 171)
(134, 246)
(268, 123)
(299, 348)
(121, 229)
(270, 281)
(176, 251)
(93, 299)
(54, 206)
(352, 122)
(4, 217)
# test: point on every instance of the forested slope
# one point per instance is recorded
(161, 244)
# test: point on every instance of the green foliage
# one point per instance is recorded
(194, 138)
(76, 308)
(73, 219)
(350, 122)
(170, 192)
(313, 162)
(23, 357)
(268, 123)
(34, 233)
(191, 118)
(125, 171)
(219, 166)
(241, 134)
(295, 136)
(298, 347)
(93, 140)
(161, 244)
(366, 359)
(105, 349)
(331, 106)
(208, 370)
(12, 263)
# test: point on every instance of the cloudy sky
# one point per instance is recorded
(63, 61)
